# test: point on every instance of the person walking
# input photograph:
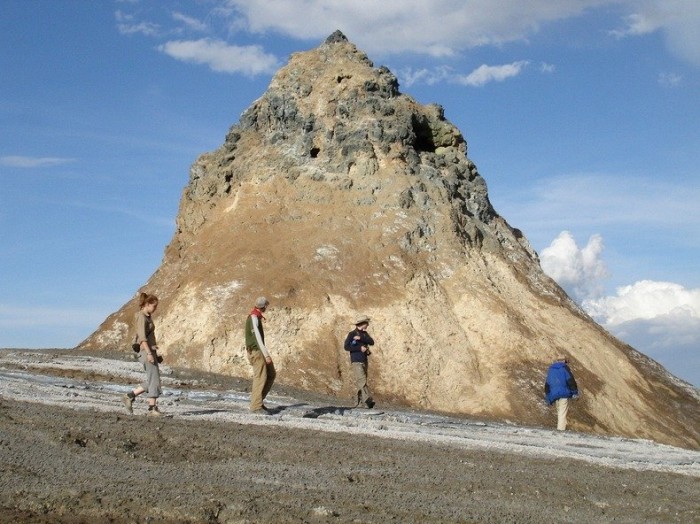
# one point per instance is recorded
(145, 343)
(357, 343)
(559, 387)
(259, 357)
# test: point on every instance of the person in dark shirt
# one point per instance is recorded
(357, 343)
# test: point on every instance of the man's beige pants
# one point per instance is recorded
(562, 411)
(360, 370)
(263, 377)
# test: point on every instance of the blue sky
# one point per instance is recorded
(581, 115)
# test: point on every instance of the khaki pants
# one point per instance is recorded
(360, 371)
(263, 377)
(562, 411)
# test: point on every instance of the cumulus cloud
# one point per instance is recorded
(482, 75)
(33, 162)
(190, 22)
(446, 27)
(660, 319)
(635, 25)
(409, 76)
(440, 28)
(580, 271)
(128, 25)
(222, 57)
(672, 339)
(646, 300)
(667, 332)
(677, 20)
(485, 74)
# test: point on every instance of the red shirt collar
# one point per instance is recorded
(257, 313)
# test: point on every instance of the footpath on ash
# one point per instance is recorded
(82, 382)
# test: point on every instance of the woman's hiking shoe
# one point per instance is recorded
(129, 403)
(153, 412)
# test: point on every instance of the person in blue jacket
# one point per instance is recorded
(357, 343)
(559, 387)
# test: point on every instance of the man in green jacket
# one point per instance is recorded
(259, 357)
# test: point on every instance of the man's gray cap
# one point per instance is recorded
(261, 302)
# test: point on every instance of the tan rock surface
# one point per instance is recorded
(337, 195)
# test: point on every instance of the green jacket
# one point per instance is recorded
(251, 340)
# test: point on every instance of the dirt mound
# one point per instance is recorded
(336, 194)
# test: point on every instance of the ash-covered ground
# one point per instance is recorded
(70, 453)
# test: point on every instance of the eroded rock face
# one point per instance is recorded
(335, 195)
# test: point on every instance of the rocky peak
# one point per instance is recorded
(336, 194)
(336, 37)
(336, 119)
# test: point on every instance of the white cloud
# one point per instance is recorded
(677, 20)
(439, 28)
(446, 27)
(409, 77)
(485, 74)
(190, 22)
(670, 332)
(646, 300)
(660, 319)
(33, 162)
(127, 25)
(143, 28)
(482, 75)
(670, 79)
(580, 271)
(222, 57)
(635, 25)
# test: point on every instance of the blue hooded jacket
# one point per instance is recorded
(560, 383)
